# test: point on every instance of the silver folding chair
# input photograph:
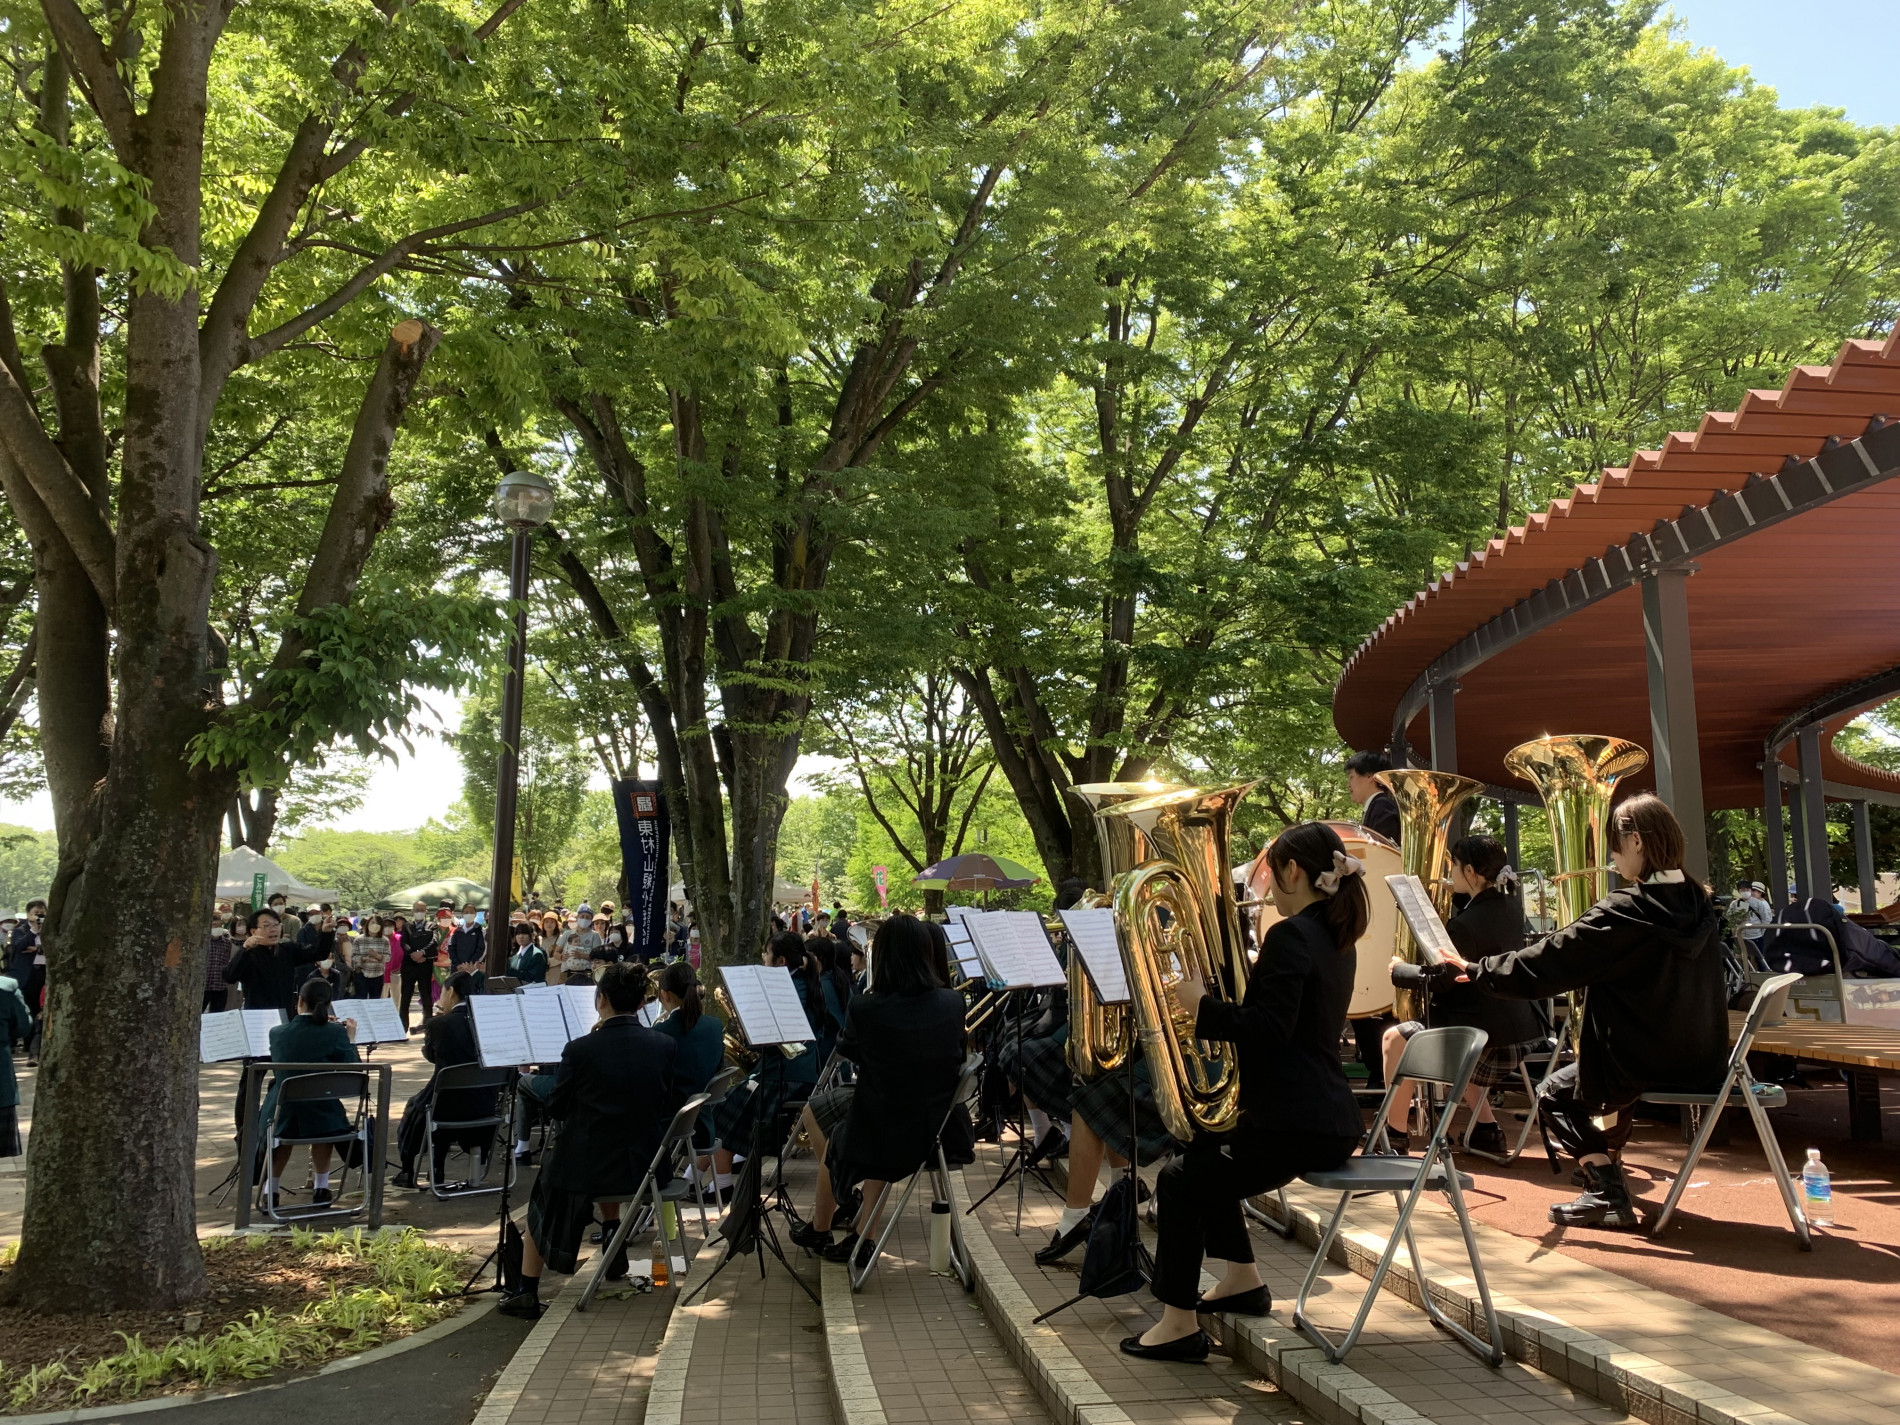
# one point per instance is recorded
(461, 1133)
(664, 1183)
(1741, 1089)
(717, 1088)
(339, 1087)
(862, 1264)
(1531, 1088)
(1442, 1057)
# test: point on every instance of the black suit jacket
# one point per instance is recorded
(269, 973)
(1382, 814)
(1491, 923)
(1288, 1028)
(614, 1094)
(909, 1051)
(447, 1040)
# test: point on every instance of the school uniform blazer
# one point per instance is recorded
(909, 1050)
(614, 1094)
(447, 1040)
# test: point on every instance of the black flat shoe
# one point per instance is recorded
(1192, 1348)
(1255, 1302)
(810, 1238)
(617, 1266)
(1063, 1243)
(522, 1305)
(840, 1251)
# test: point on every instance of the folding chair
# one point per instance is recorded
(334, 1087)
(1739, 1087)
(1443, 1057)
(1550, 1056)
(473, 1137)
(648, 1197)
(939, 1169)
(717, 1088)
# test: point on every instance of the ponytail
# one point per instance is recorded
(678, 980)
(1316, 848)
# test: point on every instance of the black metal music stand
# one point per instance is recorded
(1022, 1162)
(504, 1132)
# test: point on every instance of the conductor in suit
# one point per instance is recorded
(448, 1039)
(1381, 810)
(267, 965)
(614, 1096)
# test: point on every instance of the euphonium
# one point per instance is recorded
(1178, 913)
(1428, 801)
(1100, 1035)
(738, 1052)
(1576, 775)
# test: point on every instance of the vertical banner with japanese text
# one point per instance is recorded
(641, 811)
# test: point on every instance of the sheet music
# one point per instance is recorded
(1428, 931)
(545, 1023)
(500, 1032)
(1015, 949)
(258, 1024)
(650, 1012)
(578, 1001)
(538, 987)
(377, 1020)
(221, 1037)
(1092, 933)
(769, 1009)
(955, 913)
(963, 951)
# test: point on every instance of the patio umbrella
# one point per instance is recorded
(975, 871)
(460, 893)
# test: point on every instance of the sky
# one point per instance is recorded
(1831, 52)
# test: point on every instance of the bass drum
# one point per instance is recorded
(1372, 981)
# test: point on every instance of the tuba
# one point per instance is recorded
(1101, 1035)
(1428, 802)
(739, 1054)
(1175, 913)
(1576, 776)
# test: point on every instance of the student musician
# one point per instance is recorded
(1656, 1017)
(683, 1018)
(906, 1038)
(1489, 921)
(313, 1037)
(448, 1039)
(1297, 1113)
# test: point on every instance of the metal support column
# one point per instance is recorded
(1814, 813)
(1445, 728)
(1676, 748)
(1774, 834)
(1510, 835)
(1864, 858)
(1798, 844)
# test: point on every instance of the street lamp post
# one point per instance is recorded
(523, 502)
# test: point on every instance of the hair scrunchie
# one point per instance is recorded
(1505, 880)
(1343, 866)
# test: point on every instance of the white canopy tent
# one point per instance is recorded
(238, 868)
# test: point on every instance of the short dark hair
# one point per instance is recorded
(36, 901)
(904, 957)
(1484, 854)
(1648, 816)
(523, 928)
(624, 985)
(251, 920)
(462, 982)
(1368, 762)
(315, 996)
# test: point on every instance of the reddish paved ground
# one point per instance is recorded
(1731, 1250)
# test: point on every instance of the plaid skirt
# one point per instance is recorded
(1103, 1105)
(1497, 1066)
(557, 1220)
(1040, 1068)
(733, 1116)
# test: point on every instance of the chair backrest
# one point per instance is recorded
(343, 1083)
(1771, 1001)
(500, 985)
(1445, 1056)
(469, 1076)
(679, 1133)
(970, 1082)
(722, 1082)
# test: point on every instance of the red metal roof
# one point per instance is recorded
(1777, 618)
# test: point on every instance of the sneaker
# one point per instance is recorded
(810, 1238)
(522, 1305)
(1488, 1138)
(1605, 1202)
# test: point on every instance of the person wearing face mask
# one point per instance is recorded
(1656, 1017)
(26, 955)
(267, 964)
(369, 959)
(414, 942)
(575, 950)
(217, 956)
(467, 950)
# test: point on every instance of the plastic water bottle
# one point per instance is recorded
(1817, 1191)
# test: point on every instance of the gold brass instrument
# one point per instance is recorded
(982, 1008)
(1428, 802)
(1102, 1036)
(1576, 775)
(1175, 913)
(739, 1054)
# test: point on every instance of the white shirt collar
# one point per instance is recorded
(1665, 878)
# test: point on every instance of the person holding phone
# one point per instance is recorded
(267, 965)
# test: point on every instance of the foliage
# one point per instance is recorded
(413, 1284)
(27, 859)
(553, 773)
(365, 866)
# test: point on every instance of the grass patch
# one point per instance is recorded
(398, 1282)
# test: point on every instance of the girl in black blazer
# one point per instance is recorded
(1297, 1113)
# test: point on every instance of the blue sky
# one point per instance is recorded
(1837, 52)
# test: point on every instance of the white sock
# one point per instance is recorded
(1039, 1121)
(323, 1181)
(521, 1145)
(722, 1181)
(1070, 1216)
(270, 1185)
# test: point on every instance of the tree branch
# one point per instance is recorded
(14, 691)
(61, 493)
(97, 75)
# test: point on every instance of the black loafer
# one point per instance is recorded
(840, 1251)
(810, 1238)
(1063, 1243)
(522, 1305)
(1192, 1348)
(1256, 1302)
(617, 1266)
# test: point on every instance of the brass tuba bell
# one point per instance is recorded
(1576, 775)
(1174, 913)
(1428, 802)
(1101, 1035)
(739, 1054)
